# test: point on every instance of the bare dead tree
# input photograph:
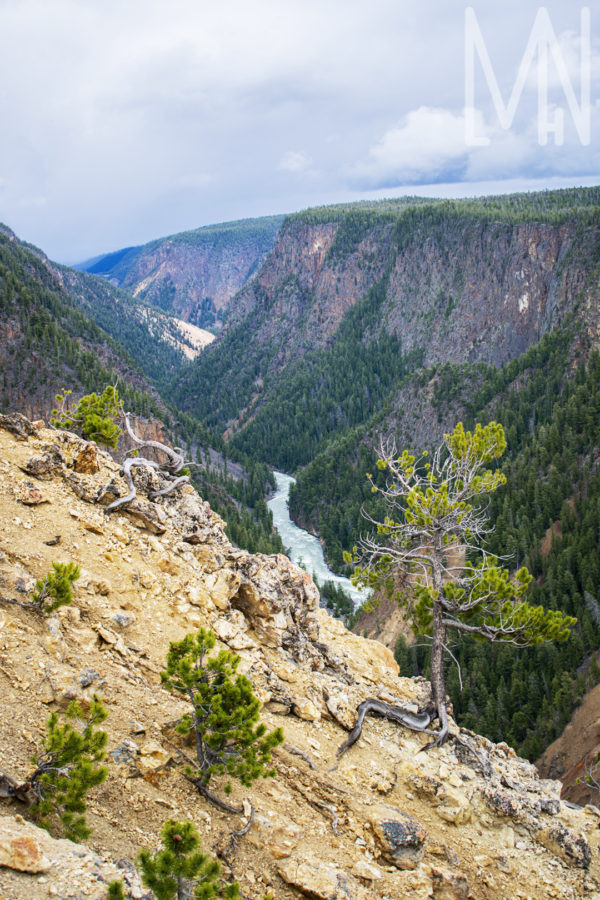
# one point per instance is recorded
(168, 469)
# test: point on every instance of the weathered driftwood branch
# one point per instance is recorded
(419, 721)
(169, 469)
(175, 455)
(128, 465)
(183, 479)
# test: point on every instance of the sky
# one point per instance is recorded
(126, 120)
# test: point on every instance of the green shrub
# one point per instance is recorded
(180, 869)
(225, 712)
(67, 769)
(93, 417)
(56, 588)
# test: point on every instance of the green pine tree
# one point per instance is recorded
(432, 534)
(67, 769)
(225, 712)
(115, 891)
(56, 588)
(93, 416)
(180, 870)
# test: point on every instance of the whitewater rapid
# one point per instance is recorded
(304, 548)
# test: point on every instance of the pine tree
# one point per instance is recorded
(67, 769)
(180, 871)
(225, 712)
(93, 416)
(56, 588)
(115, 891)
(428, 553)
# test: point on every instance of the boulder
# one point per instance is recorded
(449, 885)
(86, 461)
(400, 837)
(321, 880)
(572, 848)
(19, 848)
(278, 834)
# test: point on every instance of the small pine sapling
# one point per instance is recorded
(67, 769)
(115, 891)
(56, 588)
(93, 416)
(53, 590)
(223, 721)
(180, 870)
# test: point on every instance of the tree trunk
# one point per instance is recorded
(438, 681)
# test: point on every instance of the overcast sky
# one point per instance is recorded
(125, 120)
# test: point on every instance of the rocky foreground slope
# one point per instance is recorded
(385, 821)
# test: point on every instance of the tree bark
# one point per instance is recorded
(438, 681)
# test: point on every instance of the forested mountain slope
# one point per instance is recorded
(47, 342)
(193, 274)
(64, 329)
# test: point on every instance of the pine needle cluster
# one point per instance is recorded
(56, 588)
(93, 416)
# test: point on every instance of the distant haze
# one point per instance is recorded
(125, 120)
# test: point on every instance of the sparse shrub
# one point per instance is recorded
(225, 712)
(93, 417)
(56, 588)
(180, 869)
(67, 769)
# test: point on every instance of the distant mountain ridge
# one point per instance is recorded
(193, 274)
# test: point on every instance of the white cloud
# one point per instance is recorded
(424, 147)
(124, 114)
(294, 161)
(197, 181)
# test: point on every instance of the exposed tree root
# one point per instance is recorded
(415, 722)
(126, 473)
(419, 721)
(176, 456)
(297, 752)
(183, 479)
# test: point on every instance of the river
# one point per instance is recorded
(303, 547)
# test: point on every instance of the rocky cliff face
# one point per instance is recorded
(464, 291)
(450, 282)
(194, 274)
(384, 821)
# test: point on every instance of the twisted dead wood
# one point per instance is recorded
(419, 721)
(174, 454)
(169, 469)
